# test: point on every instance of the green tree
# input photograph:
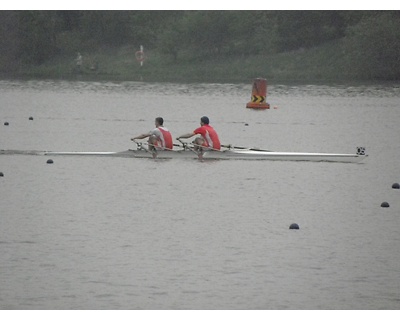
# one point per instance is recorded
(37, 36)
(373, 45)
(147, 27)
(305, 29)
(8, 39)
(206, 33)
(170, 40)
(253, 32)
(107, 28)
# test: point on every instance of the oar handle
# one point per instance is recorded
(183, 145)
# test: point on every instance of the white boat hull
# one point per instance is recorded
(231, 154)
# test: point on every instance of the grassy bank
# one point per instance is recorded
(315, 65)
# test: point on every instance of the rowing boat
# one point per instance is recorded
(230, 153)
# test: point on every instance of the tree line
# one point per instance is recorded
(369, 38)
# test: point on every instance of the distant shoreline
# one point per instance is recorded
(320, 65)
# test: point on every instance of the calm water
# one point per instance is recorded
(112, 233)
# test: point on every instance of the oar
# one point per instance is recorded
(184, 144)
(177, 145)
(206, 148)
(229, 146)
(186, 147)
(139, 147)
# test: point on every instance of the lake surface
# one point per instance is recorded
(119, 233)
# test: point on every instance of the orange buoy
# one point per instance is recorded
(258, 95)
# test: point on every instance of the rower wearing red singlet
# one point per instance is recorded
(159, 138)
(208, 140)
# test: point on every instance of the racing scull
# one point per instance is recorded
(227, 153)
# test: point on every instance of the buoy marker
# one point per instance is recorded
(258, 95)
(385, 205)
(294, 226)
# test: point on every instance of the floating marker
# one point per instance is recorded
(30, 118)
(49, 161)
(294, 226)
(258, 95)
(385, 205)
(1, 174)
(396, 186)
(6, 123)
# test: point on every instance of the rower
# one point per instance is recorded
(160, 138)
(208, 139)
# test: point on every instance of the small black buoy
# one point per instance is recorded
(396, 186)
(6, 123)
(385, 205)
(1, 174)
(30, 118)
(49, 161)
(294, 226)
(246, 124)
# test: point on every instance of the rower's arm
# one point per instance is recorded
(142, 136)
(186, 136)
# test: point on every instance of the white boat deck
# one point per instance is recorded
(227, 154)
